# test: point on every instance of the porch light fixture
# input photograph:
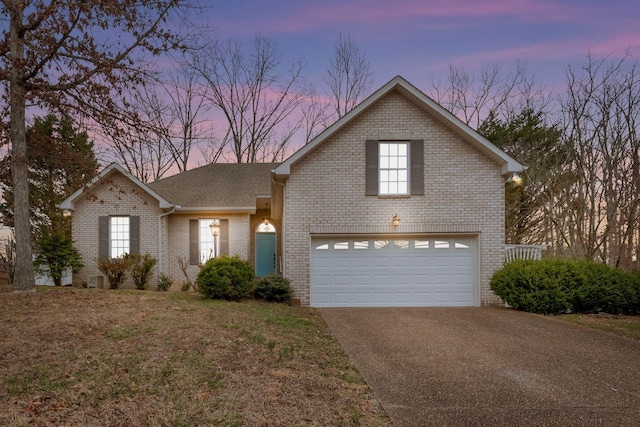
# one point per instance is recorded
(215, 232)
(265, 220)
(395, 220)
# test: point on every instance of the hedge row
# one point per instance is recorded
(560, 286)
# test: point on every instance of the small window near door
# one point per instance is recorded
(266, 228)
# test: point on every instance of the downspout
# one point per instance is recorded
(282, 227)
(160, 238)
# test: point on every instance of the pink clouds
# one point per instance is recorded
(326, 15)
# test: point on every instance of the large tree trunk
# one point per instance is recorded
(24, 278)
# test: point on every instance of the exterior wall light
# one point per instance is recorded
(515, 179)
(395, 220)
(215, 232)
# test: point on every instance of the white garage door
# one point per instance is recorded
(386, 272)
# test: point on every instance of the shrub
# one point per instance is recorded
(556, 286)
(228, 278)
(140, 269)
(164, 282)
(274, 288)
(56, 255)
(114, 269)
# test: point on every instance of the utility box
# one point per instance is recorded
(95, 282)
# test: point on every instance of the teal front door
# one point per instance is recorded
(265, 254)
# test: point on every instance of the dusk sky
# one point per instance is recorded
(420, 39)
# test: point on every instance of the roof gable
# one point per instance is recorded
(508, 164)
(68, 203)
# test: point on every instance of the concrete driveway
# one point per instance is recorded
(490, 367)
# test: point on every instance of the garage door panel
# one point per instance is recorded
(368, 271)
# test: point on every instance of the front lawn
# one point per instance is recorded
(628, 326)
(113, 358)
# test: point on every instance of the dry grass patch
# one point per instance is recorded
(628, 326)
(113, 358)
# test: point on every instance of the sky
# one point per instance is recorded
(421, 39)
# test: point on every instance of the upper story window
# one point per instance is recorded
(119, 237)
(394, 168)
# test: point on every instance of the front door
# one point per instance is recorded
(265, 254)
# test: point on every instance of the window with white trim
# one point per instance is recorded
(394, 168)
(119, 236)
(209, 244)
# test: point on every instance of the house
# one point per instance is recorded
(398, 203)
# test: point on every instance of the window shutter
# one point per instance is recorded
(224, 237)
(417, 167)
(103, 237)
(372, 168)
(194, 242)
(134, 234)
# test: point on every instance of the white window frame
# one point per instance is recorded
(119, 236)
(393, 168)
(206, 241)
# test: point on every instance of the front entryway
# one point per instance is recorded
(381, 271)
(265, 253)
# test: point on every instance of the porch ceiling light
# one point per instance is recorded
(395, 220)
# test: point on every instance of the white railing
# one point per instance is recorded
(514, 252)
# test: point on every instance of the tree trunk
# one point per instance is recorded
(24, 278)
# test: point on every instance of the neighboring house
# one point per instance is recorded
(398, 203)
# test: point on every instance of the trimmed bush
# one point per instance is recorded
(228, 278)
(164, 282)
(115, 270)
(559, 285)
(140, 269)
(273, 288)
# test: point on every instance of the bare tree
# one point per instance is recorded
(257, 94)
(493, 92)
(348, 77)
(601, 112)
(142, 146)
(57, 54)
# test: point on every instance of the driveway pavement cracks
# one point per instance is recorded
(490, 367)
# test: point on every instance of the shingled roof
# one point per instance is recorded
(217, 186)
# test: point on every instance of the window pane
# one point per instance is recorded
(118, 236)
(209, 245)
(402, 244)
(364, 244)
(341, 245)
(441, 244)
(379, 244)
(322, 246)
(393, 166)
(421, 244)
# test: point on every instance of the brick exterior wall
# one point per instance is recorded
(464, 191)
(116, 195)
(178, 243)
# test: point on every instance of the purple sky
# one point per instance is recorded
(419, 39)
